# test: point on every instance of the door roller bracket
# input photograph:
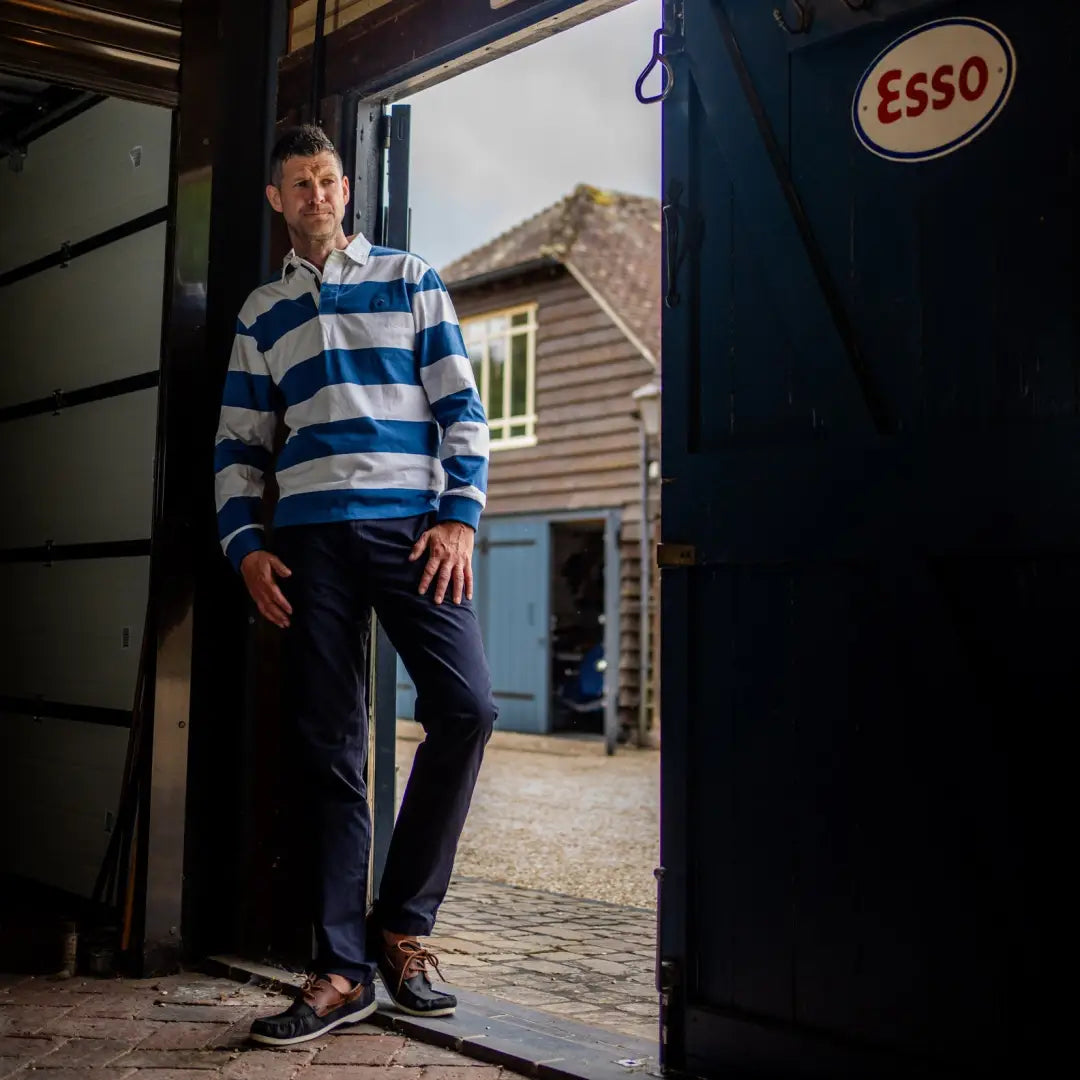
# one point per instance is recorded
(804, 17)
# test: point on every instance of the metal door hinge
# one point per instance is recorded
(676, 555)
(674, 22)
(667, 976)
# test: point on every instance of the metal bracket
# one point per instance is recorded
(805, 20)
(65, 254)
(58, 401)
(669, 555)
(48, 552)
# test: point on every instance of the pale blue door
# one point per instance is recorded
(406, 693)
(511, 590)
(515, 581)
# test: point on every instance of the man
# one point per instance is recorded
(381, 484)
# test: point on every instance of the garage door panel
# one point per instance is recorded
(106, 166)
(84, 476)
(58, 781)
(64, 625)
(94, 321)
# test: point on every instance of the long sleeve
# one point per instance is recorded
(243, 448)
(447, 378)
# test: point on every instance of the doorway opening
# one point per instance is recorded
(578, 662)
(549, 244)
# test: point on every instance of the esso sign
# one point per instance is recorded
(934, 89)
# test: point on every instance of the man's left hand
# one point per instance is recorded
(449, 545)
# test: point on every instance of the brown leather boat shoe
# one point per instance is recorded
(403, 968)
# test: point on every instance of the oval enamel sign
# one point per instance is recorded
(934, 89)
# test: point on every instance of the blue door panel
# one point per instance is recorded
(513, 609)
(870, 511)
(510, 592)
(406, 693)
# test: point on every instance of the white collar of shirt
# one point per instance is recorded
(358, 250)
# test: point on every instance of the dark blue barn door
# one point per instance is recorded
(871, 544)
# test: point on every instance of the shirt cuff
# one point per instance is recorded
(244, 543)
(460, 508)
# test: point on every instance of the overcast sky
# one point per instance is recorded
(497, 144)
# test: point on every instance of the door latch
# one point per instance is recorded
(683, 230)
(668, 555)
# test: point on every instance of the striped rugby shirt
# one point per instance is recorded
(367, 361)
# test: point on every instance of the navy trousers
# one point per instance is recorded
(340, 571)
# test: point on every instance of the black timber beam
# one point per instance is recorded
(405, 45)
(225, 899)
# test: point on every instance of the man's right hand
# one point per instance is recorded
(258, 569)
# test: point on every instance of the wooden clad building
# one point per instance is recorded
(561, 316)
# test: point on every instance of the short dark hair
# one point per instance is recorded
(307, 140)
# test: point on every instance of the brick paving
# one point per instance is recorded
(188, 1027)
(583, 959)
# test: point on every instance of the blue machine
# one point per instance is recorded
(581, 692)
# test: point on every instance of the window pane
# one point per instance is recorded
(496, 374)
(519, 374)
(520, 319)
(499, 325)
(473, 333)
(519, 429)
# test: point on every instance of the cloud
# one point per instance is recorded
(497, 144)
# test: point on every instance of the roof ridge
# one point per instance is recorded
(567, 225)
(506, 232)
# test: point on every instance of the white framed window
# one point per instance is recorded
(502, 348)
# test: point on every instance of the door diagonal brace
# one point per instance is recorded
(736, 113)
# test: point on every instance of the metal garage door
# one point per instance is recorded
(82, 259)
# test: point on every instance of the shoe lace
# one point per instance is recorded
(417, 958)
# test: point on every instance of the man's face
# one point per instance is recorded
(312, 195)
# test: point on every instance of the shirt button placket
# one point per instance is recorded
(328, 291)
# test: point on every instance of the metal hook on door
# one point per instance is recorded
(805, 20)
(657, 57)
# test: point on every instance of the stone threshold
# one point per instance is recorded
(527, 1041)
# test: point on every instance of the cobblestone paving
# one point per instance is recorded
(590, 961)
(558, 814)
(189, 1027)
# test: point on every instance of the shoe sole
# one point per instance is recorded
(448, 1011)
(352, 1018)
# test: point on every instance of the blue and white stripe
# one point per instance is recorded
(366, 365)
